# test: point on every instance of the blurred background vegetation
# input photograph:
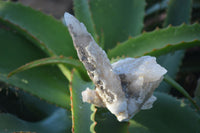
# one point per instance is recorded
(17, 102)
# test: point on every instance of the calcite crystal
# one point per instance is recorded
(126, 86)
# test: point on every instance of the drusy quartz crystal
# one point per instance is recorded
(124, 87)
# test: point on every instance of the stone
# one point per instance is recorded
(124, 87)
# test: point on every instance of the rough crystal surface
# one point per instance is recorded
(126, 86)
(139, 78)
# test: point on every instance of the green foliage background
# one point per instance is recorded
(46, 77)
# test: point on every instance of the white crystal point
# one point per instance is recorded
(78, 28)
(107, 84)
(126, 86)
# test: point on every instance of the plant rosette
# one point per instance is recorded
(124, 87)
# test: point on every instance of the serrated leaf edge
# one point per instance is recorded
(47, 61)
(154, 51)
(71, 104)
(152, 32)
(28, 35)
(92, 127)
(26, 91)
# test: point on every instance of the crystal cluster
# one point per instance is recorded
(124, 87)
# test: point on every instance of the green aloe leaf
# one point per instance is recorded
(178, 12)
(108, 123)
(159, 42)
(83, 14)
(116, 20)
(45, 31)
(58, 122)
(171, 62)
(32, 107)
(168, 115)
(46, 61)
(173, 83)
(81, 112)
(23, 105)
(45, 82)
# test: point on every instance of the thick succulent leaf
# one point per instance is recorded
(159, 42)
(35, 107)
(81, 112)
(137, 127)
(46, 61)
(168, 115)
(179, 88)
(92, 127)
(171, 62)
(46, 82)
(23, 105)
(83, 14)
(106, 120)
(49, 34)
(178, 12)
(117, 20)
(58, 122)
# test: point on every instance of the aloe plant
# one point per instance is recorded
(37, 57)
